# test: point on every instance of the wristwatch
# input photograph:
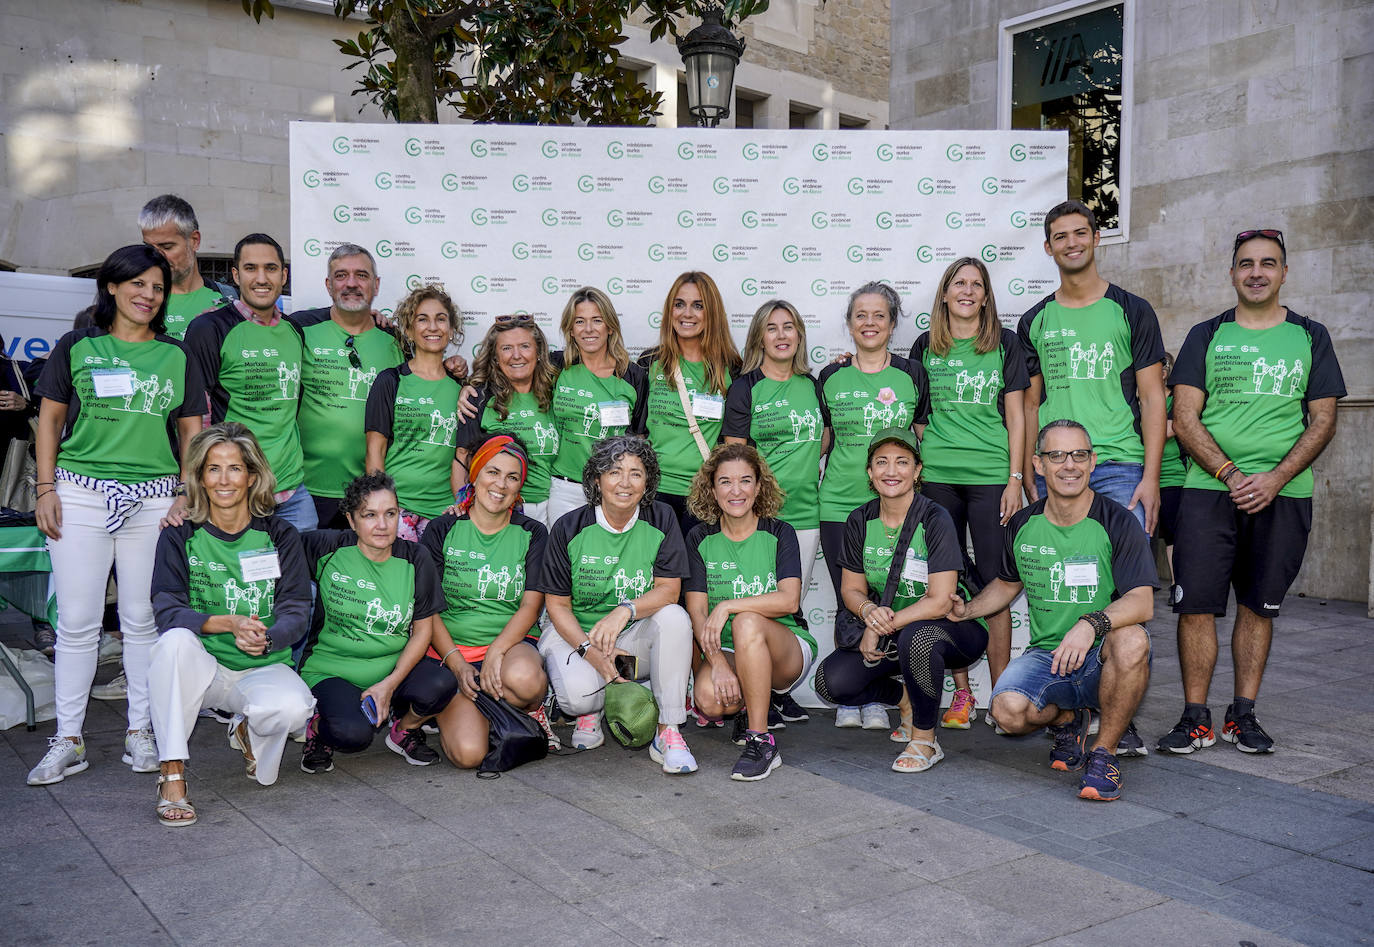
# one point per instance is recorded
(582, 648)
(634, 613)
(267, 638)
(1017, 476)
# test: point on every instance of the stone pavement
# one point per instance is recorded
(990, 847)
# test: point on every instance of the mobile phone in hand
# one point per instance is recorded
(370, 709)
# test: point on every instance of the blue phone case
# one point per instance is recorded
(370, 709)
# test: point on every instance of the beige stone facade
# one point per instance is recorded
(1243, 115)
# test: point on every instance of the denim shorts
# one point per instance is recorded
(1029, 675)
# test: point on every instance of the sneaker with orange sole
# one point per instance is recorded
(963, 710)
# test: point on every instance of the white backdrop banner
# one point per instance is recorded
(514, 218)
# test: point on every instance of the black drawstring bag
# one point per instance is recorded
(514, 737)
(849, 628)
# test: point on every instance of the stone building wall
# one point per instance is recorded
(1246, 114)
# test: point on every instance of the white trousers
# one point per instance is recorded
(663, 640)
(81, 561)
(564, 497)
(537, 511)
(183, 677)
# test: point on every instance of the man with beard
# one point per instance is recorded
(169, 225)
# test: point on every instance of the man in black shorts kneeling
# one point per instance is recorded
(1255, 393)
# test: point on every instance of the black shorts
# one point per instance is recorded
(1169, 498)
(976, 511)
(1219, 547)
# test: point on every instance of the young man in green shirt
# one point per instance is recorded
(1255, 393)
(169, 225)
(344, 350)
(1089, 579)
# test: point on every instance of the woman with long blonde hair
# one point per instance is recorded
(690, 371)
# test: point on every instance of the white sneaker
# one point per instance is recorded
(116, 689)
(140, 751)
(996, 727)
(550, 738)
(111, 650)
(875, 717)
(65, 756)
(587, 734)
(848, 718)
(671, 750)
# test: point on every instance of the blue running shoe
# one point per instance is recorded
(1071, 742)
(1101, 778)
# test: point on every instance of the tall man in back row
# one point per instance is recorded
(1255, 393)
(1089, 579)
(168, 224)
(1093, 352)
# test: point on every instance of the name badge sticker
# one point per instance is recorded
(915, 569)
(1080, 572)
(614, 413)
(708, 407)
(113, 382)
(259, 564)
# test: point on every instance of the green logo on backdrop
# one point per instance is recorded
(686, 218)
(1017, 152)
(926, 185)
(955, 152)
(382, 180)
(413, 281)
(412, 146)
(313, 247)
(311, 178)
(954, 220)
(520, 250)
(749, 286)
(856, 185)
(449, 181)
(478, 284)
(820, 220)
(790, 185)
(615, 149)
(585, 251)
(384, 248)
(750, 219)
(655, 320)
(685, 151)
(550, 285)
(549, 217)
(790, 254)
(586, 183)
(818, 287)
(1019, 219)
(884, 152)
(449, 249)
(341, 145)
(615, 217)
(820, 151)
(855, 254)
(549, 148)
(925, 253)
(923, 321)
(750, 151)
(720, 252)
(615, 286)
(989, 253)
(883, 220)
(521, 182)
(818, 354)
(479, 216)
(1017, 287)
(656, 184)
(413, 215)
(656, 252)
(478, 147)
(721, 185)
(341, 214)
(989, 185)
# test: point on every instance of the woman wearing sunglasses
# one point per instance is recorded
(514, 378)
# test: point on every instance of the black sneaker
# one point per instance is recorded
(1188, 734)
(740, 728)
(1071, 742)
(760, 757)
(1130, 743)
(776, 721)
(411, 745)
(1246, 733)
(789, 710)
(315, 756)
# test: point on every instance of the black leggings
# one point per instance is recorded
(427, 689)
(685, 520)
(976, 510)
(925, 649)
(832, 542)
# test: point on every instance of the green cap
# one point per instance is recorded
(631, 713)
(900, 435)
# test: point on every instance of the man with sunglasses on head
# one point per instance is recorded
(344, 351)
(1255, 393)
(1089, 579)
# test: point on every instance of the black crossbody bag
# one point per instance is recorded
(849, 628)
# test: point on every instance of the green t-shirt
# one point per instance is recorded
(679, 457)
(869, 546)
(419, 420)
(1088, 358)
(783, 420)
(1257, 383)
(1071, 570)
(526, 421)
(583, 407)
(724, 569)
(253, 375)
(856, 405)
(598, 569)
(334, 398)
(1173, 465)
(123, 400)
(183, 307)
(484, 577)
(364, 609)
(965, 440)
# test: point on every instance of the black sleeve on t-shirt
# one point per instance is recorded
(291, 604)
(943, 553)
(918, 357)
(432, 540)
(917, 371)
(1147, 345)
(855, 525)
(1133, 565)
(429, 594)
(172, 581)
(303, 319)
(1190, 367)
(646, 358)
(380, 413)
(788, 565)
(204, 341)
(555, 577)
(470, 434)
(1015, 377)
(558, 360)
(739, 405)
(1325, 379)
(671, 561)
(55, 382)
(825, 374)
(534, 553)
(639, 414)
(1010, 571)
(696, 565)
(193, 405)
(1023, 330)
(319, 543)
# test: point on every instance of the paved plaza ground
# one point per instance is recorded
(990, 847)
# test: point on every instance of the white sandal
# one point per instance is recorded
(902, 734)
(164, 805)
(909, 761)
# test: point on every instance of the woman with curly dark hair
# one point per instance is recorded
(374, 612)
(515, 377)
(613, 571)
(744, 597)
(412, 427)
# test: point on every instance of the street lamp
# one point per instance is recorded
(710, 53)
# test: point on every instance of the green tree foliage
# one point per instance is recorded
(547, 62)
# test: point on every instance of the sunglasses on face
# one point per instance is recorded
(518, 321)
(1244, 235)
(353, 358)
(1059, 456)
